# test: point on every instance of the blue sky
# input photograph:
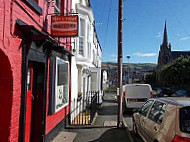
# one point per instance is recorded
(142, 28)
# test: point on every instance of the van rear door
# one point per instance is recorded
(137, 94)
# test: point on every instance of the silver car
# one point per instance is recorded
(163, 120)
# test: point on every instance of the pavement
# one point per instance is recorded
(104, 128)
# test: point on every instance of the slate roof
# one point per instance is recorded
(177, 54)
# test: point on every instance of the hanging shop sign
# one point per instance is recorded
(64, 26)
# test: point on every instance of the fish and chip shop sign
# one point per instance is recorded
(64, 26)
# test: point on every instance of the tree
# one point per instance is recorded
(176, 73)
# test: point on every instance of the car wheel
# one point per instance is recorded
(135, 127)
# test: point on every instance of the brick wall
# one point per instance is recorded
(10, 43)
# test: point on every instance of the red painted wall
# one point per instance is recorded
(53, 120)
(10, 43)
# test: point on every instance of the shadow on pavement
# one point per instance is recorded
(113, 135)
(108, 110)
(110, 101)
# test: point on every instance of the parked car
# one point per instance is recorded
(164, 92)
(136, 94)
(163, 120)
(180, 93)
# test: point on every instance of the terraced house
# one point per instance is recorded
(86, 64)
(35, 69)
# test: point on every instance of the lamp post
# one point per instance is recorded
(128, 57)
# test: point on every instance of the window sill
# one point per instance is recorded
(35, 6)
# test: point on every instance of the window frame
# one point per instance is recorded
(181, 118)
(148, 109)
(81, 48)
(156, 121)
(82, 36)
(34, 6)
(56, 8)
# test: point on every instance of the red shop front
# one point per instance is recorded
(45, 85)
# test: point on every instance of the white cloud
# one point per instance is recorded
(184, 38)
(158, 35)
(113, 55)
(110, 58)
(144, 54)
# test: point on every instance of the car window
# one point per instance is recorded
(145, 108)
(185, 119)
(157, 112)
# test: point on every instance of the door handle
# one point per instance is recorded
(142, 122)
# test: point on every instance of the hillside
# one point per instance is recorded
(137, 66)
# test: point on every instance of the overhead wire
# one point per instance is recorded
(103, 10)
(107, 25)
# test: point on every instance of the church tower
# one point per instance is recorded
(165, 55)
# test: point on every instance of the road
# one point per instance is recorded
(129, 121)
(127, 116)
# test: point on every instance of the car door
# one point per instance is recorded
(143, 118)
(155, 118)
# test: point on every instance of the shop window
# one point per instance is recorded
(59, 87)
(61, 84)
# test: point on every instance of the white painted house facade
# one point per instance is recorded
(86, 62)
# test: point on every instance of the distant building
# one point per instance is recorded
(165, 53)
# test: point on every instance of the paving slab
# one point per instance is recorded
(104, 128)
(65, 137)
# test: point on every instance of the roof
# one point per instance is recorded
(177, 54)
(180, 101)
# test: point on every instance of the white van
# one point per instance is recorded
(136, 95)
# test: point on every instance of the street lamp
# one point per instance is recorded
(128, 57)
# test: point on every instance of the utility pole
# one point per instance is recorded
(120, 65)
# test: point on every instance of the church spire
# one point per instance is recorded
(165, 39)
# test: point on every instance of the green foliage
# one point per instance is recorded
(151, 78)
(176, 73)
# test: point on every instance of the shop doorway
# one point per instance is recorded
(6, 90)
(34, 102)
